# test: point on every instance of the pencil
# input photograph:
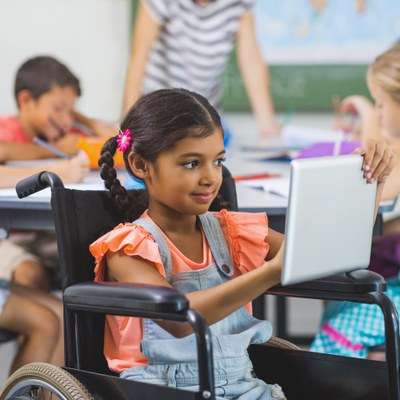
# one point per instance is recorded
(49, 147)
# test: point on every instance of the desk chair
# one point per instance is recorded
(80, 218)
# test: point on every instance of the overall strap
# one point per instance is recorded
(163, 248)
(217, 242)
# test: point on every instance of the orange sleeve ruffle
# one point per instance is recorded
(133, 240)
(245, 234)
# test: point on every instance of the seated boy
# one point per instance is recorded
(45, 92)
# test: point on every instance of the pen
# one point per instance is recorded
(49, 147)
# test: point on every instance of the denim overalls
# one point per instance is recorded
(173, 361)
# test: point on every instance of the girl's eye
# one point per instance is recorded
(219, 162)
(191, 164)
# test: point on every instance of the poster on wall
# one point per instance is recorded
(325, 31)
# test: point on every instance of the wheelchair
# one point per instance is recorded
(80, 218)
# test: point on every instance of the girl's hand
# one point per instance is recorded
(356, 104)
(379, 160)
(360, 110)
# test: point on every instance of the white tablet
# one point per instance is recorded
(329, 220)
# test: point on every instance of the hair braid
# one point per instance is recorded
(108, 173)
(130, 204)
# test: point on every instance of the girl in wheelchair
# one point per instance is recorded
(172, 142)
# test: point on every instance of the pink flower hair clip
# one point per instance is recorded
(124, 140)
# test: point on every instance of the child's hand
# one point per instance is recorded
(356, 104)
(270, 129)
(68, 144)
(103, 129)
(379, 160)
(73, 170)
(360, 110)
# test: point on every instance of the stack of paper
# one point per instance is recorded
(278, 186)
(303, 136)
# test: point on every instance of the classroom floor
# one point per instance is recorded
(304, 315)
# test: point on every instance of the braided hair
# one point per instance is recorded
(157, 121)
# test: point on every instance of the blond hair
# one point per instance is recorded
(385, 72)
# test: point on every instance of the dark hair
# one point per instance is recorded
(39, 74)
(157, 121)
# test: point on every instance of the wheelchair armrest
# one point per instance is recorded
(125, 299)
(352, 283)
(134, 300)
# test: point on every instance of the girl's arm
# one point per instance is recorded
(144, 34)
(275, 241)
(255, 76)
(213, 304)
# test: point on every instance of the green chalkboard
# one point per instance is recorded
(303, 87)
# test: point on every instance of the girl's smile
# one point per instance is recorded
(203, 197)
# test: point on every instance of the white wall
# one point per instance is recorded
(90, 36)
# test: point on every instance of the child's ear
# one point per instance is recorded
(24, 97)
(139, 166)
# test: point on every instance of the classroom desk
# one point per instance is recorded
(35, 212)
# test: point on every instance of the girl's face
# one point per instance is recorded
(186, 178)
(387, 108)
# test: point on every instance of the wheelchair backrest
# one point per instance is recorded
(80, 218)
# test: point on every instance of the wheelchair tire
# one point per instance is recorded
(34, 377)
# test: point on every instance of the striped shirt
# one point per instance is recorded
(194, 44)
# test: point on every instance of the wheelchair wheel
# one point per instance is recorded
(43, 381)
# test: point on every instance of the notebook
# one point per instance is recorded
(321, 149)
(329, 219)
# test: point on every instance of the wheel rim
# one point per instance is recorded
(24, 388)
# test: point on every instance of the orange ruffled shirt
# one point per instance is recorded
(244, 233)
